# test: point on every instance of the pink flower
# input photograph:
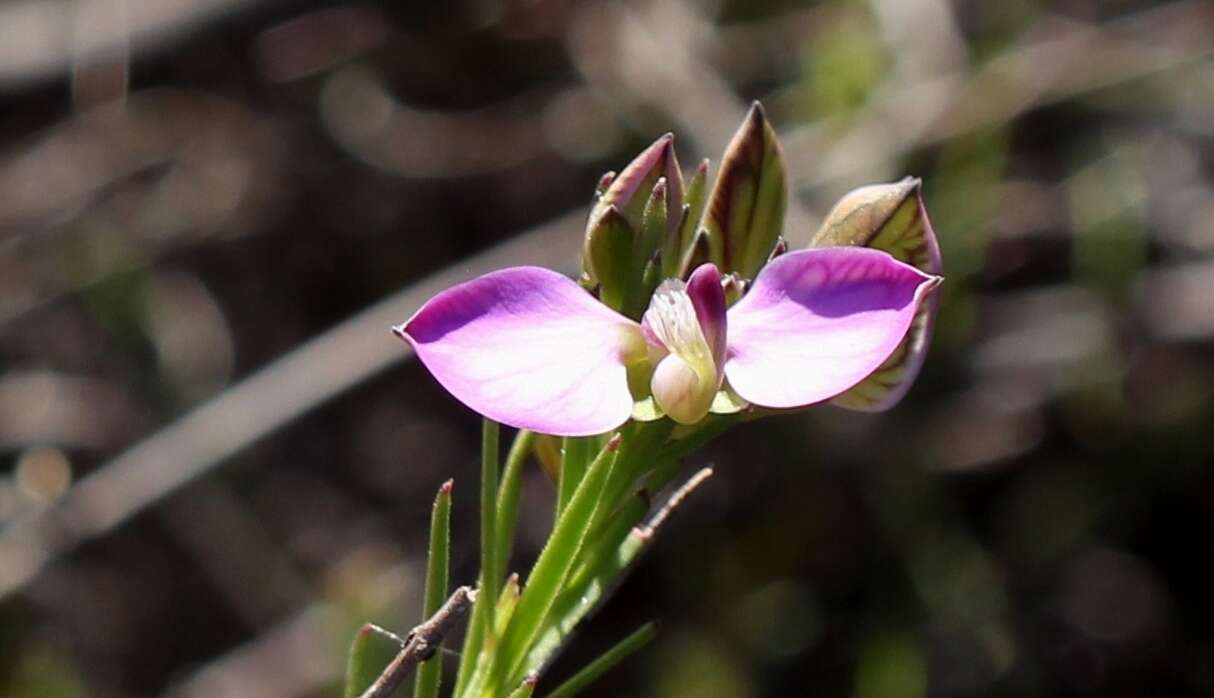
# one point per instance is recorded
(530, 348)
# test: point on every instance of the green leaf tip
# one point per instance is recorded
(370, 651)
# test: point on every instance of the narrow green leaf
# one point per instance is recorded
(745, 212)
(508, 498)
(526, 688)
(470, 654)
(480, 626)
(694, 201)
(604, 541)
(636, 456)
(430, 672)
(372, 649)
(574, 603)
(506, 604)
(653, 230)
(548, 575)
(575, 455)
(606, 661)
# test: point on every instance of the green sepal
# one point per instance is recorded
(653, 228)
(672, 254)
(677, 245)
(882, 216)
(727, 402)
(372, 649)
(609, 258)
(892, 218)
(698, 253)
(694, 199)
(629, 190)
(745, 212)
(647, 410)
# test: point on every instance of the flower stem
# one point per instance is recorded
(489, 476)
(547, 577)
(576, 454)
(508, 499)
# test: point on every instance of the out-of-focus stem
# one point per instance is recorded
(508, 499)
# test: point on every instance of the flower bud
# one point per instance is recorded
(630, 189)
(608, 258)
(633, 214)
(892, 218)
(745, 212)
(679, 244)
(888, 217)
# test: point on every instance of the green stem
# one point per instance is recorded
(508, 499)
(479, 641)
(547, 577)
(470, 654)
(489, 475)
(641, 443)
(575, 454)
(606, 661)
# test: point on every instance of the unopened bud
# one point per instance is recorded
(888, 217)
(745, 212)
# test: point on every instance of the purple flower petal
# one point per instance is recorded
(818, 321)
(887, 385)
(529, 348)
(708, 298)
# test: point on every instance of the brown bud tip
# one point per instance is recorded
(659, 188)
(446, 487)
(702, 168)
(366, 629)
(614, 443)
(780, 248)
(605, 182)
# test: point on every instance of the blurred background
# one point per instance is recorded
(215, 462)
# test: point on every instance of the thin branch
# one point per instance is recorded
(674, 502)
(422, 643)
